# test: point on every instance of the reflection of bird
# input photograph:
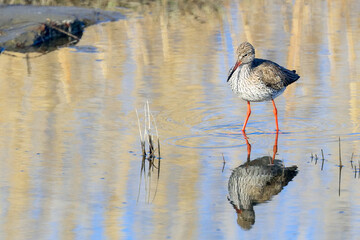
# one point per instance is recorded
(256, 182)
(257, 80)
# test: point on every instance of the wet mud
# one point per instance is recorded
(26, 28)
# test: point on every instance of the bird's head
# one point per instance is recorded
(245, 53)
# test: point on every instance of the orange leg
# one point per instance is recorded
(275, 114)
(275, 148)
(247, 116)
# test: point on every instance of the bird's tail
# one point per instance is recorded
(291, 76)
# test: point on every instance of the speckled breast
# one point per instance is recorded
(252, 90)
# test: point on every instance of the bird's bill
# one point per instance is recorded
(237, 64)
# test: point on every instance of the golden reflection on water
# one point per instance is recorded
(69, 131)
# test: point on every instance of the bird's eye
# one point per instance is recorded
(245, 55)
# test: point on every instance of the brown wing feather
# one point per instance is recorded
(273, 75)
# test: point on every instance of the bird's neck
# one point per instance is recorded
(245, 70)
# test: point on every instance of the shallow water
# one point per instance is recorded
(70, 145)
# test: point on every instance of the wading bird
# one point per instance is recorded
(258, 80)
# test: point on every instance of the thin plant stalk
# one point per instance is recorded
(340, 162)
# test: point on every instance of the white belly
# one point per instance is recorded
(258, 93)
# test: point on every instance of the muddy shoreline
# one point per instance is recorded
(26, 28)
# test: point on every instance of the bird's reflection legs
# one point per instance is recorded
(248, 146)
(275, 148)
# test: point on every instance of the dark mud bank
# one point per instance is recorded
(25, 28)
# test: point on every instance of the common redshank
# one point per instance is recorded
(258, 80)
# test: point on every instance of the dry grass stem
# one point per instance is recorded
(340, 162)
(355, 171)
(52, 25)
(323, 159)
(224, 162)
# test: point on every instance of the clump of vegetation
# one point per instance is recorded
(149, 139)
(150, 136)
(355, 169)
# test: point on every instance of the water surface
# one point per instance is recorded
(70, 145)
